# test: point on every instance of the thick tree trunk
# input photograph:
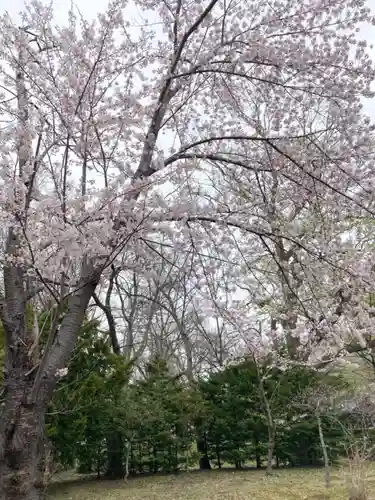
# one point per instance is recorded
(23, 446)
(204, 461)
(115, 456)
(29, 386)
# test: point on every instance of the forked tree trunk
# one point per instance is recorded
(29, 386)
(22, 446)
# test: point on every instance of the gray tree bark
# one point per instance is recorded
(29, 382)
(23, 458)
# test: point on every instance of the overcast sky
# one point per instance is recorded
(89, 8)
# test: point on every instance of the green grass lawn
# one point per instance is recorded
(299, 484)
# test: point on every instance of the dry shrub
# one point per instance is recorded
(357, 480)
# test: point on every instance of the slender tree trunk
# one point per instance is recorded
(327, 474)
(140, 458)
(98, 466)
(133, 467)
(270, 426)
(128, 448)
(176, 461)
(155, 463)
(218, 455)
(258, 458)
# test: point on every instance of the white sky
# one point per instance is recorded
(88, 8)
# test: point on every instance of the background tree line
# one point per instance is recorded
(103, 420)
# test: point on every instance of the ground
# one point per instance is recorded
(288, 484)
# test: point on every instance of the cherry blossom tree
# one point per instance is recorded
(309, 271)
(97, 117)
